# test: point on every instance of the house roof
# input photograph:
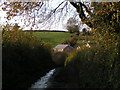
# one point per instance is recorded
(61, 46)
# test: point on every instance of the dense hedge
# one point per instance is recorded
(24, 59)
(95, 67)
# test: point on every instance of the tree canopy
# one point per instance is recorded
(72, 25)
(42, 10)
(106, 24)
(105, 14)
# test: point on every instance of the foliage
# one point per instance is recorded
(72, 26)
(59, 58)
(105, 20)
(18, 8)
(86, 32)
(73, 29)
(72, 40)
(95, 67)
(98, 66)
(24, 58)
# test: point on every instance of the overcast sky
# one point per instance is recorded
(56, 25)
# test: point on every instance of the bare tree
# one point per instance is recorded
(41, 10)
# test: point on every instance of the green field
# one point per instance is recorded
(52, 38)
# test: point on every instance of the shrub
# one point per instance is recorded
(59, 58)
(72, 40)
(95, 67)
(25, 59)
